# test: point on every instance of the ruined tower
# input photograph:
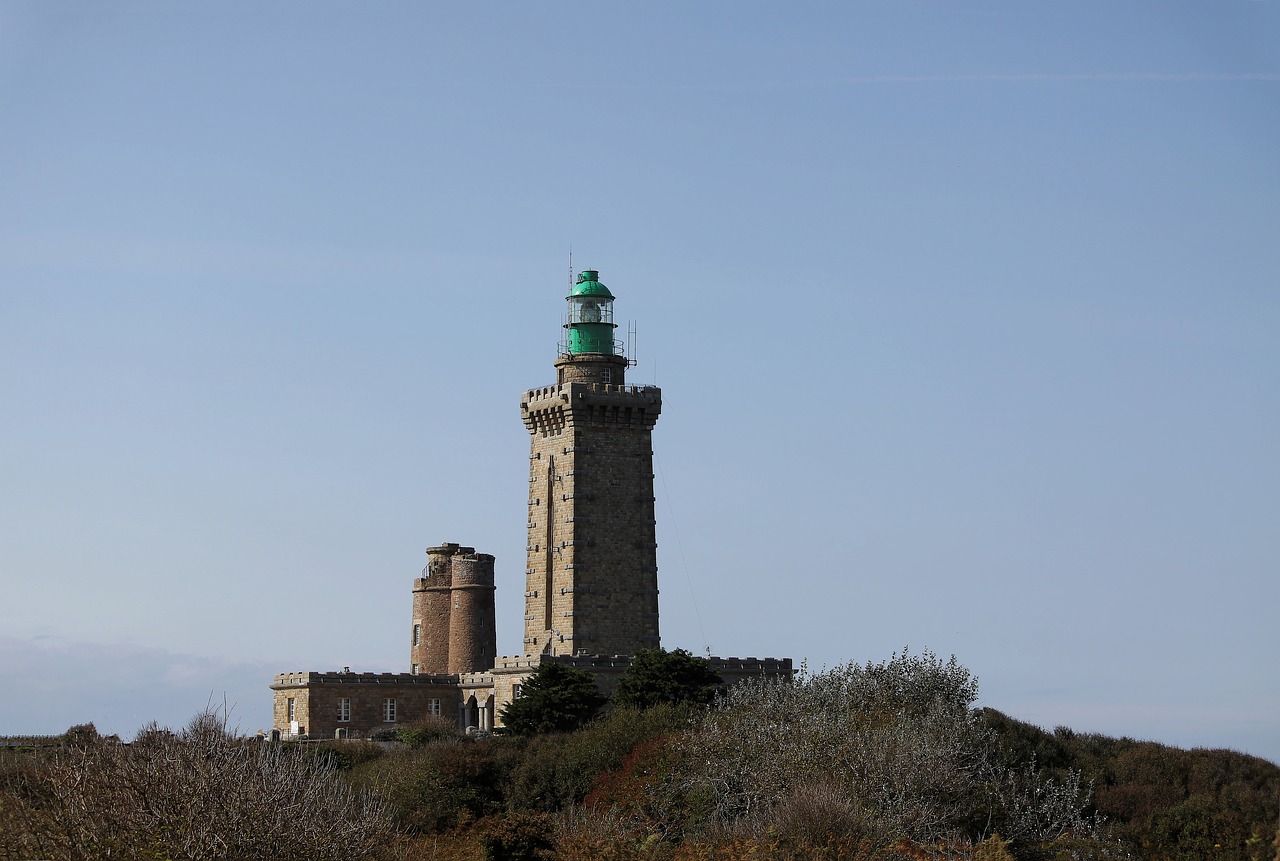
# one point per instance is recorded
(454, 630)
(592, 571)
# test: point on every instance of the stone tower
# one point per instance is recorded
(592, 571)
(454, 629)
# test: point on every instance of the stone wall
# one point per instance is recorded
(453, 627)
(317, 698)
(473, 635)
(511, 671)
(591, 572)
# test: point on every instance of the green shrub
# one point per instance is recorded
(556, 698)
(343, 755)
(557, 771)
(518, 837)
(658, 677)
(427, 730)
(438, 786)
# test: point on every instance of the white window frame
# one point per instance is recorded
(417, 633)
(291, 707)
(344, 709)
(433, 707)
(389, 710)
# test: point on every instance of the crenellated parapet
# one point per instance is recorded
(553, 409)
(308, 679)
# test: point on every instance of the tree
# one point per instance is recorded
(657, 676)
(556, 698)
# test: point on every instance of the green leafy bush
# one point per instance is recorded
(343, 755)
(556, 698)
(556, 771)
(518, 837)
(658, 677)
(426, 731)
(438, 786)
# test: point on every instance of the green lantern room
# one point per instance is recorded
(590, 320)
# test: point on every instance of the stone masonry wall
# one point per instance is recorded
(473, 635)
(453, 612)
(591, 572)
(317, 695)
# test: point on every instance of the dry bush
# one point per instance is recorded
(821, 816)
(201, 793)
(608, 834)
(897, 738)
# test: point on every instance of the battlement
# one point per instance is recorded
(761, 666)
(551, 408)
(304, 679)
(581, 662)
(734, 666)
(475, 680)
(474, 569)
(533, 398)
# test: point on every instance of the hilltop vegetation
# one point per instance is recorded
(880, 761)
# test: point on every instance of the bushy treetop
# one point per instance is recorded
(658, 677)
(556, 698)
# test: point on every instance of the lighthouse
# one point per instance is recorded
(591, 557)
(591, 567)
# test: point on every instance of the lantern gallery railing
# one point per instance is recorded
(611, 346)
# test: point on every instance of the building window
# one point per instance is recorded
(417, 634)
(344, 709)
(606, 375)
(293, 710)
(515, 692)
(389, 710)
(433, 707)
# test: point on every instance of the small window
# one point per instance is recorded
(417, 634)
(389, 710)
(344, 709)
(433, 707)
(515, 692)
(414, 669)
(293, 710)
(606, 375)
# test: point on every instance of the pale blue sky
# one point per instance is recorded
(964, 314)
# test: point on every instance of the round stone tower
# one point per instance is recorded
(473, 636)
(432, 609)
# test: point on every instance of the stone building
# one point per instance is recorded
(591, 570)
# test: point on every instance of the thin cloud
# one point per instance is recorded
(52, 682)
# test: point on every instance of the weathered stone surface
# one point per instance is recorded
(591, 571)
